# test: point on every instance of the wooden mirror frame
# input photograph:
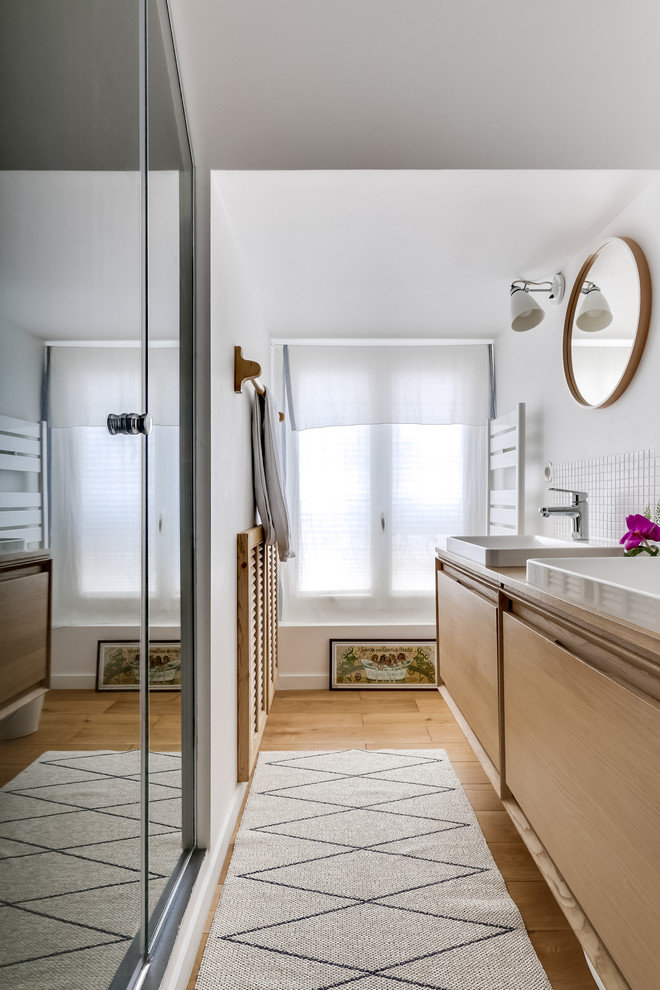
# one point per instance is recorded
(641, 333)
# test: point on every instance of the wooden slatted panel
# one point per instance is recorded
(257, 642)
(271, 625)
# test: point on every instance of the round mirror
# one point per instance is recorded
(607, 322)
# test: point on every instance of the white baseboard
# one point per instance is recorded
(303, 682)
(190, 933)
(64, 682)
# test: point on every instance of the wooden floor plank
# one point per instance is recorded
(482, 797)
(498, 827)
(513, 861)
(563, 960)
(317, 707)
(446, 732)
(343, 719)
(97, 703)
(391, 697)
(537, 906)
(469, 772)
(8, 771)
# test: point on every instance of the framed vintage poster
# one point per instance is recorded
(118, 666)
(377, 664)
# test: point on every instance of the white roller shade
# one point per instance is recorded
(438, 385)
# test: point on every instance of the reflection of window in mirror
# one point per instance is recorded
(607, 322)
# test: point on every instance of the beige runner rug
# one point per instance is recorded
(366, 870)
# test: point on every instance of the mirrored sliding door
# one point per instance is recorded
(96, 808)
(169, 323)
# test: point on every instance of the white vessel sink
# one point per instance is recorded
(514, 551)
(625, 587)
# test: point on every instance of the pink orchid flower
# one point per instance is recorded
(640, 529)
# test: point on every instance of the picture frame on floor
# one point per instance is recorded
(383, 664)
(117, 667)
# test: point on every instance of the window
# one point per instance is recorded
(96, 487)
(379, 467)
(369, 504)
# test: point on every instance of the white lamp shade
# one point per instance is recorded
(525, 311)
(594, 312)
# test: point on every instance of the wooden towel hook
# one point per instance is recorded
(246, 371)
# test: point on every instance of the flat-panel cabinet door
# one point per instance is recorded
(467, 651)
(583, 762)
(24, 631)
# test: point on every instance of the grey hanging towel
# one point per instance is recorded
(267, 475)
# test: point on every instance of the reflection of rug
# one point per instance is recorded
(364, 870)
(69, 864)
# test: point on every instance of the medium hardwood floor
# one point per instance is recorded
(301, 720)
(73, 720)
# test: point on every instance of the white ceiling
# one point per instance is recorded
(411, 253)
(395, 84)
(334, 101)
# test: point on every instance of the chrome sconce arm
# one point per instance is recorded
(525, 311)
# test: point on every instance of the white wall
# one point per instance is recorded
(304, 651)
(529, 369)
(21, 370)
(75, 650)
(224, 476)
(235, 319)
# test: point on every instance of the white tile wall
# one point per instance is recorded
(616, 486)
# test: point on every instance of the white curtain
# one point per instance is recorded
(370, 501)
(95, 487)
(349, 386)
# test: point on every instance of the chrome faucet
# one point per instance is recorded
(578, 511)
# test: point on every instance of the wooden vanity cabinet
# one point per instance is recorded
(467, 620)
(583, 763)
(562, 707)
(25, 620)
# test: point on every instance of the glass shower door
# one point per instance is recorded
(71, 224)
(169, 321)
(95, 330)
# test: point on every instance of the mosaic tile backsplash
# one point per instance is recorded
(616, 486)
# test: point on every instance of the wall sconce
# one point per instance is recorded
(525, 311)
(594, 313)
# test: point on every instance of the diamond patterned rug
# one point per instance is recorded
(69, 864)
(365, 870)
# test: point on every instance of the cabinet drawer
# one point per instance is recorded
(23, 633)
(583, 762)
(467, 655)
